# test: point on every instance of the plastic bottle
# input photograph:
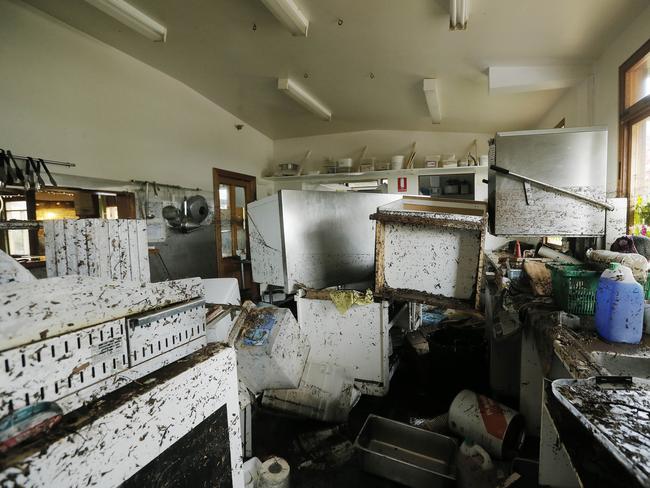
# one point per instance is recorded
(619, 306)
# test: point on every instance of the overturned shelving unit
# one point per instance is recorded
(430, 251)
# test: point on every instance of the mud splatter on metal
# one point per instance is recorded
(618, 415)
(430, 248)
(54, 306)
(562, 215)
(357, 341)
(115, 249)
(57, 367)
(108, 441)
(272, 349)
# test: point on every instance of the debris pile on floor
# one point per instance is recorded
(478, 436)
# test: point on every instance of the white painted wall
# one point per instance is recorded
(581, 108)
(67, 96)
(576, 106)
(382, 144)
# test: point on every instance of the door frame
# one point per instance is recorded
(222, 176)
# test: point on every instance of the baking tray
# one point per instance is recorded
(615, 410)
(405, 454)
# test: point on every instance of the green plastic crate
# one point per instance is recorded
(574, 288)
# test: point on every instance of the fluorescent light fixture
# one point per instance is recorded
(288, 13)
(458, 14)
(130, 16)
(518, 79)
(304, 98)
(430, 87)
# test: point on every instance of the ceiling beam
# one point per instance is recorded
(514, 79)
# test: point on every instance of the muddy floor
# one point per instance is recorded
(277, 434)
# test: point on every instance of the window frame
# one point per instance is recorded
(627, 118)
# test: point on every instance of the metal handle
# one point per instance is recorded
(556, 189)
(614, 380)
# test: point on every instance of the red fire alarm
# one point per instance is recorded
(401, 184)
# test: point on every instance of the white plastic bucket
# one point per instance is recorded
(396, 162)
(495, 427)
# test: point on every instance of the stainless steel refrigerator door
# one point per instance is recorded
(573, 159)
(328, 237)
(265, 236)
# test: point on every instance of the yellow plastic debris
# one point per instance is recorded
(344, 299)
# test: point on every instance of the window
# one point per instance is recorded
(634, 133)
(18, 240)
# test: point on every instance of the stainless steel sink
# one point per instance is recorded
(623, 364)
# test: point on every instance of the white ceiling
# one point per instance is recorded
(212, 47)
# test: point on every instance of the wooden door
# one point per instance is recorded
(232, 191)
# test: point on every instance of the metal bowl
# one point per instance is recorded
(289, 169)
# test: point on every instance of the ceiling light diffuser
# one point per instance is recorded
(430, 87)
(130, 16)
(458, 14)
(288, 13)
(514, 79)
(304, 98)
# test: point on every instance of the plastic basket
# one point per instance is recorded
(574, 288)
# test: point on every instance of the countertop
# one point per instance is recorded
(574, 347)
(583, 354)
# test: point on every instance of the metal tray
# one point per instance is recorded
(614, 409)
(406, 454)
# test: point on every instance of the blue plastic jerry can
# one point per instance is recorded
(619, 306)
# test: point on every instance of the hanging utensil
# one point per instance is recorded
(37, 180)
(3, 170)
(49, 175)
(17, 175)
(28, 180)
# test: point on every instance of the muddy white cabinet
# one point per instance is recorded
(113, 249)
(313, 238)
(430, 251)
(357, 341)
(189, 406)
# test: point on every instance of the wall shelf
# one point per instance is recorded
(375, 175)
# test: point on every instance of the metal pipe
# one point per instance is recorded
(20, 225)
(47, 161)
(177, 187)
(554, 188)
(547, 252)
